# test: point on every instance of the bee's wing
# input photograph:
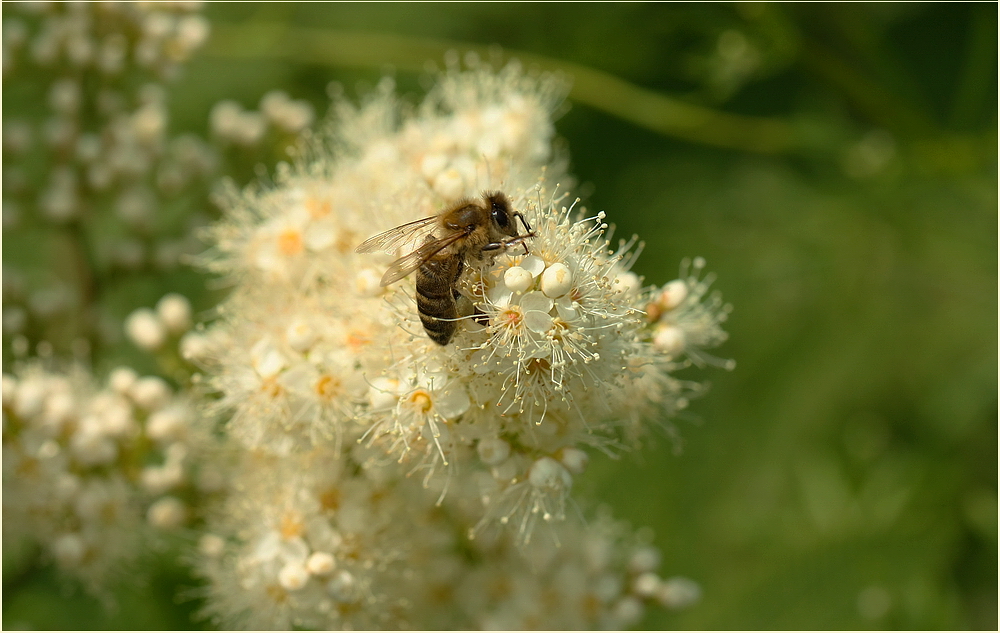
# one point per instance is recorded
(389, 241)
(408, 263)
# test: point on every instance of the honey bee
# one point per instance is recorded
(472, 230)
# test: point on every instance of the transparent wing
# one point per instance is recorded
(408, 263)
(391, 240)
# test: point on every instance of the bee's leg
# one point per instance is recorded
(494, 246)
(527, 227)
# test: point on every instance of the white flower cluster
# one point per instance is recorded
(86, 142)
(231, 124)
(308, 544)
(87, 468)
(386, 480)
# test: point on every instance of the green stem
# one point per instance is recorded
(595, 88)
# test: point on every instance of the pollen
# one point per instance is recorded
(290, 242)
(511, 317)
(277, 593)
(330, 499)
(420, 400)
(272, 388)
(318, 208)
(357, 339)
(291, 526)
(328, 386)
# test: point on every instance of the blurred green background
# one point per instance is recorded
(838, 173)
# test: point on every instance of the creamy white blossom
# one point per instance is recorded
(82, 463)
(365, 447)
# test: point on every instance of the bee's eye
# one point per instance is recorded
(500, 215)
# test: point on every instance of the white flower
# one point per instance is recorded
(344, 417)
(145, 329)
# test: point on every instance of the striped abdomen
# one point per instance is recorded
(436, 297)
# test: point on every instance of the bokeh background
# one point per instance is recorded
(836, 164)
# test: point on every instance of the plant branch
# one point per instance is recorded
(600, 90)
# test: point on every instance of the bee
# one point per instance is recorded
(471, 230)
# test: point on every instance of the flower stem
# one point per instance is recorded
(600, 90)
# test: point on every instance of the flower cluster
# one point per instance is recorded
(364, 450)
(86, 145)
(231, 124)
(87, 468)
(308, 543)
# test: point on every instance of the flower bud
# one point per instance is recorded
(174, 311)
(557, 280)
(517, 279)
(145, 329)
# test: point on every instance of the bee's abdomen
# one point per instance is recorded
(436, 300)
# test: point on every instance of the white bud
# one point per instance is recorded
(64, 96)
(174, 311)
(266, 359)
(646, 585)
(293, 576)
(122, 379)
(548, 474)
(673, 294)
(145, 329)
(300, 336)
(669, 339)
(69, 550)
(194, 347)
(167, 513)
(628, 610)
(251, 128)
(517, 279)
(192, 30)
(493, 450)
(149, 122)
(626, 282)
(383, 394)
(91, 448)
(153, 480)
(224, 119)
(166, 424)
(320, 563)
(368, 282)
(678, 592)
(211, 545)
(574, 459)
(48, 449)
(342, 586)
(59, 409)
(644, 559)
(150, 392)
(557, 280)
(157, 25)
(113, 415)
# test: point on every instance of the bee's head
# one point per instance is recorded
(500, 212)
